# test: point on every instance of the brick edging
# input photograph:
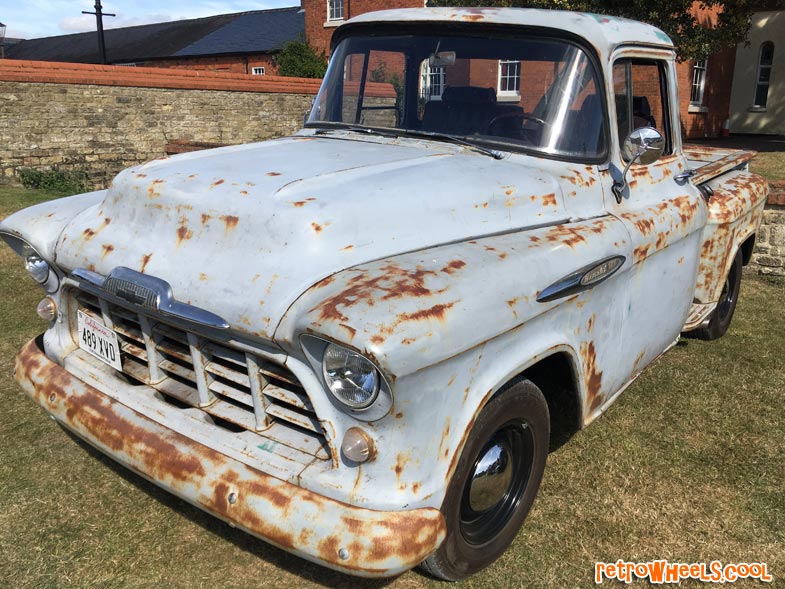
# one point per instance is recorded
(776, 193)
(13, 70)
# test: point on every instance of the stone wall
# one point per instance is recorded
(769, 254)
(102, 119)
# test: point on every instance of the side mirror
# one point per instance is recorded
(643, 146)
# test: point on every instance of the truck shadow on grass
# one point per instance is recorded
(294, 565)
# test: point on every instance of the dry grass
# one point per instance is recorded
(687, 466)
(769, 165)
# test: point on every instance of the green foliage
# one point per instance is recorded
(55, 180)
(297, 59)
(691, 35)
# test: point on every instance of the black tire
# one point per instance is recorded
(516, 420)
(723, 313)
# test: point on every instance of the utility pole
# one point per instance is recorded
(100, 23)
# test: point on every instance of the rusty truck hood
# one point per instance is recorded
(244, 231)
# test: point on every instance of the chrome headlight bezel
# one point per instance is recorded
(378, 406)
(39, 268)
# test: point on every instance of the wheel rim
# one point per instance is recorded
(728, 296)
(497, 482)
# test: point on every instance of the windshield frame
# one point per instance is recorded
(481, 30)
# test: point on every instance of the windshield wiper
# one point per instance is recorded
(364, 130)
(495, 154)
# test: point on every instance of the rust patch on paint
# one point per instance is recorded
(549, 200)
(183, 232)
(347, 248)
(203, 277)
(437, 312)
(107, 248)
(230, 222)
(317, 228)
(205, 219)
(217, 183)
(387, 283)
(592, 376)
(145, 261)
(273, 174)
(349, 330)
(640, 253)
(443, 441)
(453, 266)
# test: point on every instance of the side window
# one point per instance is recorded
(641, 90)
(373, 88)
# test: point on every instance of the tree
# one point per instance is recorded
(690, 32)
(297, 59)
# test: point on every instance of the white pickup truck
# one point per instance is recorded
(352, 342)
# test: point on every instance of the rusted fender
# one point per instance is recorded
(735, 213)
(343, 537)
(42, 224)
(414, 310)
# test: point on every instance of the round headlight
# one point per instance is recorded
(37, 268)
(351, 378)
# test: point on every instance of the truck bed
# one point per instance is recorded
(711, 162)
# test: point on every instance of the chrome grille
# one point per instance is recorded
(238, 390)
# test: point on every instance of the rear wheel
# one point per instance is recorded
(495, 482)
(723, 313)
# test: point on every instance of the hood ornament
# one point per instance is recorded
(145, 291)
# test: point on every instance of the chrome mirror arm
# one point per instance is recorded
(619, 186)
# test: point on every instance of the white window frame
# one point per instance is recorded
(257, 70)
(335, 10)
(758, 83)
(428, 76)
(698, 85)
(508, 93)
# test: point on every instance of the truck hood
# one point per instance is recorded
(244, 231)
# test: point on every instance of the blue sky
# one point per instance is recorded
(30, 19)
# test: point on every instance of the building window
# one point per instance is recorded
(509, 78)
(764, 74)
(431, 82)
(334, 9)
(698, 83)
(257, 71)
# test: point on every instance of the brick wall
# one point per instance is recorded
(102, 119)
(319, 32)
(769, 254)
(235, 64)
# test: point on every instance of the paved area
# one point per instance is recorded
(757, 142)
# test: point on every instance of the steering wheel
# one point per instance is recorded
(509, 115)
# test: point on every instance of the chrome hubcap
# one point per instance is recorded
(497, 482)
(491, 477)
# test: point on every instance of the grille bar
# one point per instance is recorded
(235, 389)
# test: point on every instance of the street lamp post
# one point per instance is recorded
(100, 24)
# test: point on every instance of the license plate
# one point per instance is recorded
(97, 339)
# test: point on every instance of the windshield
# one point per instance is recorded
(534, 93)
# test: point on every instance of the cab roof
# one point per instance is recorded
(603, 32)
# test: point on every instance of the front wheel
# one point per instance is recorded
(495, 482)
(723, 313)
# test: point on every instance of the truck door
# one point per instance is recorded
(663, 213)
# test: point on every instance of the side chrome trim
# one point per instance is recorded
(145, 291)
(582, 279)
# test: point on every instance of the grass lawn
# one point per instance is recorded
(687, 465)
(769, 165)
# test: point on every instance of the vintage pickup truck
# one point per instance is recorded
(353, 342)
